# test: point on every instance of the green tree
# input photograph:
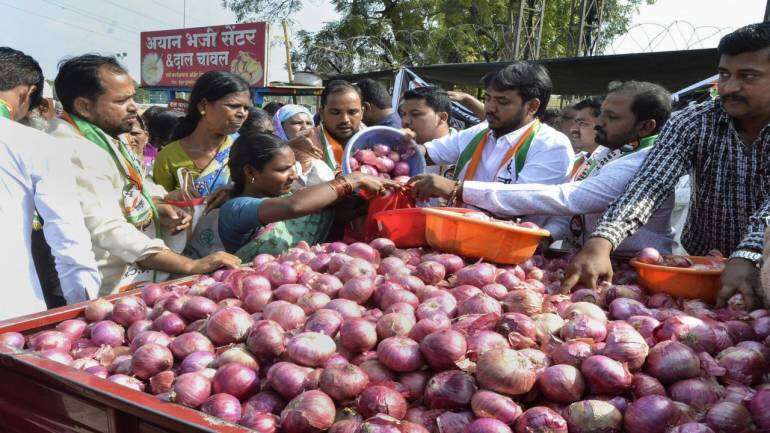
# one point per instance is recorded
(377, 34)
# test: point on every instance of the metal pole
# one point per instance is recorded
(184, 14)
(287, 44)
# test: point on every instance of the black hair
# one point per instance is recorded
(374, 93)
(18, 69)
(435, 98)
(254, 123)
(594, 103)
(747, 39)
(549, 116)
(338, 86)
(256, 150)
(211, 86)
(161, 123)
(531, 80)
(651, 101)
(79, 77)
(273, 107)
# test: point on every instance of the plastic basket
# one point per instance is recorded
(684, 282)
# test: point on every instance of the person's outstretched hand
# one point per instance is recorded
(214, 261)
(372, 185)
(590, 266)
(740, 276)
(426, 186)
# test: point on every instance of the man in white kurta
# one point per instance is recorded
(631, 116)
(35, 174)
(511, 146)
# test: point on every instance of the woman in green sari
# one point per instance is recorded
(263, 215)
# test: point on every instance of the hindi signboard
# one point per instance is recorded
(176, 58)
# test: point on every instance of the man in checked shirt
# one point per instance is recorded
(724, 145)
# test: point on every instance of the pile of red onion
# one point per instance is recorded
(372, 338)
(381, 160)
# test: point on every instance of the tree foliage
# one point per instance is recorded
(377, 34)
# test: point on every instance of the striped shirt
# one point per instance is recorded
(730, 199)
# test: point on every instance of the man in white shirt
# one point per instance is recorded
(511, 146)
(122, 209)
(631, 116)
(34, 176)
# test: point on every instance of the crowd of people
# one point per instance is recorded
(106, 192)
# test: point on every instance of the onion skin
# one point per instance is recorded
(593, 416)
(237, 380)
(729, 417)
(561, 383)
(671, 361)
(452, 390)
(540, 419)
(505, 371)
(443, 348)
(343, 382)
(488, 404)
(191, 389)
(605, 375)
(310, 412)
(223, 406)
(381, 399)
(651, 414)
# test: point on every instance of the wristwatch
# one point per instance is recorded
(751, 256)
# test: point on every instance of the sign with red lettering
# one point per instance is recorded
(178, 105)
(176, 58)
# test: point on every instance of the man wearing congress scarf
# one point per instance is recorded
(36, 177)
(123, 210)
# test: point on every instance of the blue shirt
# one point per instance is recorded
(238, 220)
(393, 120)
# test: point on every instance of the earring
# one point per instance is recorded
(203, 113)
(252, 179)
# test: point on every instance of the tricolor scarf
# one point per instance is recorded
(604, 156)
(138, 206)
(6, 110)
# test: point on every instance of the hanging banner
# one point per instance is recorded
(176, 58)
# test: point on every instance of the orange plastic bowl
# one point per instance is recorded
(685, 282)
(405, 227)
(492, 241)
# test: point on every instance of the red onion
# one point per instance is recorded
(59, 355)
(584, 308)
(98, 310)
(738, 394)
(280, 274)
(384, 246)
(414, 383)
(728, 417)
(12, 341)
(691, 427)
(290, 292)
(236, 379)
(325, 321)
(488, 404)
(358, 335)
(439, 302)
(540, 361)
(128, 310)
(430, 272)
(452, 389)
(139, 326)
(698, 393)
(346, 426)
(487, 425)
(363, 251)
(740, 331)
(540, 419)
(356, 268)
(162, 382)
(394, 324)
(46, 340)
(523, 301)
(495, 291)
(392, 266)
(584, 327)
(168, 323)
(310, 349)
(98, 371)
(587, 295)
(481, 341)
(127, 381)
(477, 275)
(106, 332)
(401, 308)
(381, 399)
(645, 326)
(625, 344)
(327, 284)
(150, 360)
(191, 389)
(605, 375)
(623, 308)
(197, 307)
(146, 337)
(453, 422)
(562, 383)
(442, 349)
(647, 385)
(288, 315)
(670, 361)
(223, 406)
(196, 361)
(376, 371)
(648, 255)
(228, 325)
(151, 293)
(572, 353)
(688, 330)
(73, 328)
(188, 343)
(400, 354)
(309, 412)
(505, 371)
(758, 406)
(744, 366)
(343, 382)
(758, 347)
(239, 354)
(479, 304)
(592, 416)
(219, 291)
(651, 414)
(253, 282)
(287, 379)
(461, 293)
(265, 401)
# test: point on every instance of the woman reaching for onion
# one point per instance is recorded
(263, 216)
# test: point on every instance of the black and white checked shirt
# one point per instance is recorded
(730, 199)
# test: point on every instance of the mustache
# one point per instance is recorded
(733, 97)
